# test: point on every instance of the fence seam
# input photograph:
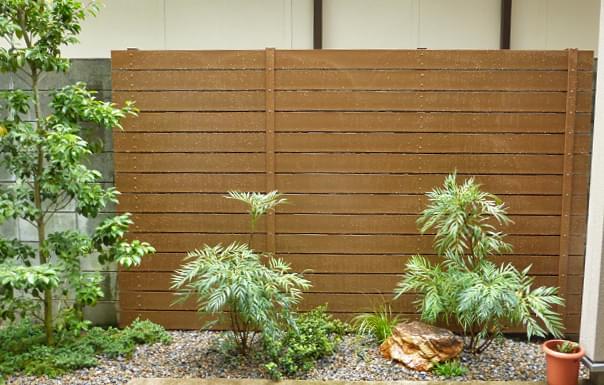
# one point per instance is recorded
(567, 177)
(270, 142)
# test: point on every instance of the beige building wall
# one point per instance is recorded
(195, 24)
(555, 24)
(411, 24)
(286, 24)
(592, 314)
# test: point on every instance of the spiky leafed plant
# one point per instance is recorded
(466, 288)
(378, 324)
(251, 290)
(258, 204)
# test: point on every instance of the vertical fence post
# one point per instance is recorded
(567, 176)
(270, 142)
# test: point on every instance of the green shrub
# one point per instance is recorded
(42, 145)
(233, 283)
(114, 342)
(449, 369)
(296, 350)
(378, 324)
(253, 291)
(466, 288)
(24, 350)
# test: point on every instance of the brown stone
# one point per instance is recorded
(419, 346)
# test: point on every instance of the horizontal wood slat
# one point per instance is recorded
(337, 303)
(338, 142)
(354, 101)
(190, 162)
(337, 183)
(340, 59)
(322, 283)
(187, 60)
(193, 101)
(427, 101)
(328, 224)
(355, 139)
(366, 263)
(240, 80)
(350, 79)
(197, 121)
(436, 80)
(348, 244)
(348, 163)
(457, 122)
(427, 143)
(330, 204)
(431, 59)
(453, 122)
(188, 142)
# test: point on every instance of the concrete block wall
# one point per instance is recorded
(96, 73)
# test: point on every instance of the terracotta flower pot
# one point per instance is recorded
(562, 368)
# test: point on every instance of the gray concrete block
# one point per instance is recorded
(109, 285)
(96, 73)
(59, 222)
(9, 229)
(103, 314)
(5, 175)
(91, 263)
(70, 208)
(88, 225)
(99, 136)
(27, 232)
(103, 163)
(46, 99)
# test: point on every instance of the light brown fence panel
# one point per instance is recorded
(354, 139)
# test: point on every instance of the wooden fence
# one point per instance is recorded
(354, 138)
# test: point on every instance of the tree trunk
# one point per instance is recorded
(38, 201)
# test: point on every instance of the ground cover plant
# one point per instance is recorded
(252, 291)
(42, 146)
(24, 348)
(296, 350)
(467, 289)
(449, 369)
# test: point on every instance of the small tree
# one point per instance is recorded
(47, 155)
(467, 288)
(252, 290)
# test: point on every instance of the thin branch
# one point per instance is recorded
(56, 207)
(487, 342)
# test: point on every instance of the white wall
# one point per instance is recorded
(195, 24)
(411, 24)
(256, 24)
(555, 24)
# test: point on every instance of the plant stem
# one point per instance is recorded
(252, 229)
(487, 342)
(40, 224)
(38, 201)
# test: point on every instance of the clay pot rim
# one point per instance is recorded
(549, 350)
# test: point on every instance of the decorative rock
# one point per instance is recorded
(419, 346)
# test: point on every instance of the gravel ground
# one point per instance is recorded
(197, 354)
